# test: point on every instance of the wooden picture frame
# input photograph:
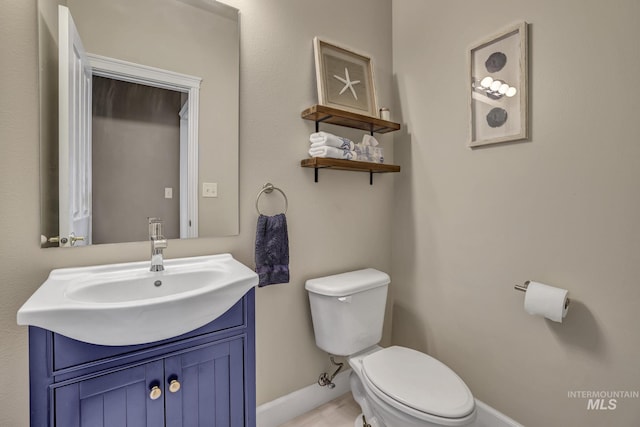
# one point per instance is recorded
(498, 89)
(344, 79)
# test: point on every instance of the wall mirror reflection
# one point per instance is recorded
(139, 112)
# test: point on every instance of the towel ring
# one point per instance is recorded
(268, 188)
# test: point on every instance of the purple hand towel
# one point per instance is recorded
(272, 250)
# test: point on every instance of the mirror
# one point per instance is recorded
(139, 116)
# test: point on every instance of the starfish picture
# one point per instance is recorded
(348, 84)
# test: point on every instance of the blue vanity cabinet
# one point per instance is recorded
(203, 378)
(116, 399)
(211, 387)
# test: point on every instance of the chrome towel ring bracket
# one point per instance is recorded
(268, 188)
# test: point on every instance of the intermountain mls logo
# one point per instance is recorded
(603, 400)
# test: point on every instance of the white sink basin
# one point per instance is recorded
(125, 304)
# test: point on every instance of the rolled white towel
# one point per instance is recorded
(369, 140)
(320, 139)
(346, 145)
(332, 152)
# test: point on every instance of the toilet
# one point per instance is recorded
(394, 386)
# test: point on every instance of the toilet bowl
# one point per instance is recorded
(394, 386)
(404, 387)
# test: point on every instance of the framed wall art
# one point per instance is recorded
(344, 79)
(498, 68)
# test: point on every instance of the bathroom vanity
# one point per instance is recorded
(203, 377)
(121, 346)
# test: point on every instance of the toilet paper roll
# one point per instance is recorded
(547, 301)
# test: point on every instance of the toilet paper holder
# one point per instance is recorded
(525, 285)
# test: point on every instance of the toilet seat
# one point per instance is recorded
(416, 383)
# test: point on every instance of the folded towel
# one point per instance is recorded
(333, 152)
(272, 250)
(329, 139)
(369, 140)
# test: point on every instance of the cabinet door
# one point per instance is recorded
(211, 390)
(118, 399)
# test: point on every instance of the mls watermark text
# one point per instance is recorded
(603, 400)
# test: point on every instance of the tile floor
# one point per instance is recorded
(340, 412)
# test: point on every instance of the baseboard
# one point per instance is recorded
(490, 417)
(286, 408)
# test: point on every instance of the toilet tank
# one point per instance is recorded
(348, 310)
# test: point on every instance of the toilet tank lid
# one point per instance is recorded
(343, 284)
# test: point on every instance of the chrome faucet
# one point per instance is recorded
(158, 243)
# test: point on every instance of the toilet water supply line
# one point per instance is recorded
(325, 379)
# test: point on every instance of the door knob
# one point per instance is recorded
(63, 240)
(73, 238)
(155, 393)
(174, 385)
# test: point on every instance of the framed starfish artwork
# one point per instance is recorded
(344, 79)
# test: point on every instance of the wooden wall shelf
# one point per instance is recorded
(323, 114)
(348, 165)
(335, 116)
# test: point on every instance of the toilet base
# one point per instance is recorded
(358, 422)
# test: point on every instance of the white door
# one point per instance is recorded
(185, 219)
(74, 135)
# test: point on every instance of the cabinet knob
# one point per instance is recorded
(155, 392)
(174, 385)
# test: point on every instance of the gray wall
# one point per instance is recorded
(561, 209)
(337, 224)
(136, 155)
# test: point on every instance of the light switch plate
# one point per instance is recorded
(209, 189)
(168, 193)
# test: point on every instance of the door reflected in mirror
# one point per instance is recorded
(135, 121)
